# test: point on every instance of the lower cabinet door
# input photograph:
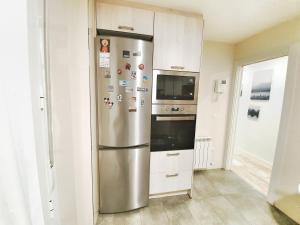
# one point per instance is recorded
(170, 182)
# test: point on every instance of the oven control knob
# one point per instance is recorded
(181, 109)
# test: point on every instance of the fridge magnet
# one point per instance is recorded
(261, 85)
(133, 75)
(146, 77)
(128, 89)
(123, 83)
(141, 66)
(127, 66)
(119, 98)
(104, 60)
(126, 54)
(110, 88)
(110, 105)
(137, 53)
(107, 74)
(253, 112)
(142, 103)
(133, 99)
(105, 45)
(119, 71)
(142, 89)
(132, 109)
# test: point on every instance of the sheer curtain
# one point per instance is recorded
(20, 198)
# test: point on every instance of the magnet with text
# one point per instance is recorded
(107, 74)
(137, 53)
(132, 109)
(123, 83)
(141, 66)
(141, 89)
(126, 54)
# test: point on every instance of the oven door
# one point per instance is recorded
(172, 132)
(171, 87)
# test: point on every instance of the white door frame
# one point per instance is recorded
(234, 105)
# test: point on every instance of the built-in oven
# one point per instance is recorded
(173, 127)
(173, 87)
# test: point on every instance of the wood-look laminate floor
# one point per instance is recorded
(253, 171)
(219, 198)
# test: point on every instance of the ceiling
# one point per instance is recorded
(234, 20)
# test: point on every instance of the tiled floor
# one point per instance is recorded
(219, 198)
(254, 172)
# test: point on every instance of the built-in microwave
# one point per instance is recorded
(173, 87)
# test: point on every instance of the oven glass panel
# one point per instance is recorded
(173, 134)
(175, 87)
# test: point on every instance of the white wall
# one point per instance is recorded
(217, 63)
(259, 137)
(67, 42)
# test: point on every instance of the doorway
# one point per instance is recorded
(258, 120)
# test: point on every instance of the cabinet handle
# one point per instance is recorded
(177, 67)
(125, 28)
(173, 154)
(172, 175)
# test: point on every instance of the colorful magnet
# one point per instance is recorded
(141, 66)
(126, 54)
(127, 66)
(105, 45)
(133, 75)
(119, 98)
(119, 71)
(123, 83)
(137, 53)
(146, 77)
(142, 89)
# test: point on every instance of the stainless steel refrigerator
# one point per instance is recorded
(124, 77)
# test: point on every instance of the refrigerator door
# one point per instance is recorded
(124, 179)
(124, 80)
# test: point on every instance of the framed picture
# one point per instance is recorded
(253, 112)
(261, 85)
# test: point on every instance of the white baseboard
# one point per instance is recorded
(254, 157)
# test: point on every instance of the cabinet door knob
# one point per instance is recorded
(125, 28)
(177, 67)
(172, 175)
(173, 154)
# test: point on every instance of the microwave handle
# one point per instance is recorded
(176, 118)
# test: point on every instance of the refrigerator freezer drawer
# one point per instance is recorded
(124, 179)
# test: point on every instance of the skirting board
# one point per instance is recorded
(257, 159)
(168, 194)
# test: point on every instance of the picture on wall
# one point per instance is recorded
(261, 85)
(253, 112)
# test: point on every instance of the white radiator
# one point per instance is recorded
(203, 153)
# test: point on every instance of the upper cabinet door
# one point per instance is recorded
(124, 19)
(177, 42)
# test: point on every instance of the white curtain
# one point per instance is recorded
(20, 199)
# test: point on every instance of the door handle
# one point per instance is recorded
(125, 28)
(173, 154)
(172, 175)
(170, 118)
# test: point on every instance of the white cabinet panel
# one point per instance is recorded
(124, 19)
(170, 182)
(177, 42)
(171, 161)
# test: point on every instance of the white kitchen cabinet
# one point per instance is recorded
(124, 19)
(171, 171)
(177, 42)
